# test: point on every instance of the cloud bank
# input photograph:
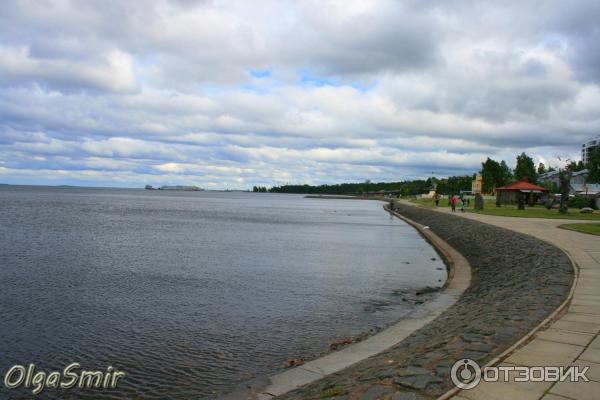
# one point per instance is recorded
(235, 94)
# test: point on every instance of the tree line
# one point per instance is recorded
(494, 174)
(404, 187)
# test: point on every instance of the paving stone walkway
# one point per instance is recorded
(573, 339)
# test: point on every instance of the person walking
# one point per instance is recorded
(453, 203)
(437, 199)
(463, 204)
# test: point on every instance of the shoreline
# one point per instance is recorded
(519, 283)
(457, 281)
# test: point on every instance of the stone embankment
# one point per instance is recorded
(517, 281)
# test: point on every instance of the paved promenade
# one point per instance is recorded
(573, 338)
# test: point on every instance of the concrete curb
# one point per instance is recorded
(459, 279)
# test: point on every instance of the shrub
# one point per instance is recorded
(581, 202)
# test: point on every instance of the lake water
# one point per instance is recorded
(191, 293)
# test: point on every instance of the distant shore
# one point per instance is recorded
(345, 197)
(330, 196)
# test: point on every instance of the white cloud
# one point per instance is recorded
(113, 74)
(170, 167)
(243, 93)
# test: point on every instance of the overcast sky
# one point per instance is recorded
(231, 94)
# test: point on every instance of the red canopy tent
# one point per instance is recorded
(510, 193)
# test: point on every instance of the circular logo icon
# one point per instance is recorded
(465, 374)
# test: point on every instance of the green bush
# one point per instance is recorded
(580, 202)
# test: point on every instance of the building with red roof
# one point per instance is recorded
(510, 193)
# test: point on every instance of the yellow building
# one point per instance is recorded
(476, 184)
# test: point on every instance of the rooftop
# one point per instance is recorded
(522, 185)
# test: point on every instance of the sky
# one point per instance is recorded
(232, 94)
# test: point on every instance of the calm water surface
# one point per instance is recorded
(191, 293)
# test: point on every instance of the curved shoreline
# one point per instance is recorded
(519, 283)
(458, 280)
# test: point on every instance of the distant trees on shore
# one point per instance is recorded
(453, 184)
(494, 174)
(404, 187)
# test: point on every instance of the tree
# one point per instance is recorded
(594, 167)
(525, 168)
(541, 169)
(454, 185)
(506, 174)
(494, 174)
(491, 175)
(576, 166)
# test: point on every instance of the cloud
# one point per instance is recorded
(242, 93)
(170, 167)
(17, 67)
(363, 38)
(577, 24)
